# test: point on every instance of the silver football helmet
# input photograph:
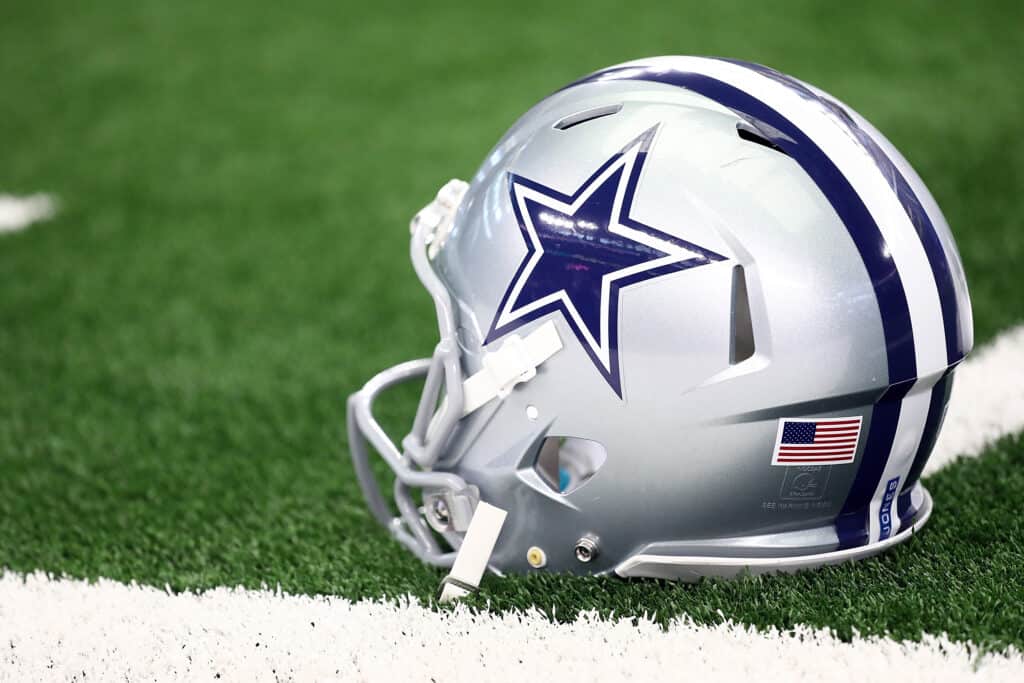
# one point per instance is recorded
(697, 317)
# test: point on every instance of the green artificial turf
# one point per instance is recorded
(231, 261)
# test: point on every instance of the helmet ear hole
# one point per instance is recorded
(565, 463)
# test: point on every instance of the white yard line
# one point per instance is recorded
(18, 213)
(72, 630)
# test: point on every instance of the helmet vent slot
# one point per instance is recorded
(565, 463)
(742, 344)
(750, 134)
(587, 115)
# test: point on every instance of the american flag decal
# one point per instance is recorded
(829, 441)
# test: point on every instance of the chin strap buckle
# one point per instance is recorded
(474, 553)
(515, 361)
(437, 216)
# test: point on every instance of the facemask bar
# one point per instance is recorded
(452, 501)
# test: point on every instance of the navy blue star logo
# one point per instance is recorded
(582, 249)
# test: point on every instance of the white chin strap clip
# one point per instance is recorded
(474, 553)
(515, 361)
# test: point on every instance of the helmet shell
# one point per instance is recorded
(788, 322)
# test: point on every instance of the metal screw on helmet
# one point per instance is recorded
(439, 511)
(587, 548)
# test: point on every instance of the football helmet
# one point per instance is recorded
(697, 317)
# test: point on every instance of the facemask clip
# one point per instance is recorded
(437, 217)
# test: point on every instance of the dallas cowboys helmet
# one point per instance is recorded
(697, 317)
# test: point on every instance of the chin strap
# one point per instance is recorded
(474, 553)
(515, 361)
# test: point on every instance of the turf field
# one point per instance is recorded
(229, 262)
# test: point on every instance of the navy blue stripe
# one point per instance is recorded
(852, 522)
(936, 409)
(915, 211)
(861, 225)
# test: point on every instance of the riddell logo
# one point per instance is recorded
(804, 483)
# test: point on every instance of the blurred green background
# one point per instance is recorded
(230, 262)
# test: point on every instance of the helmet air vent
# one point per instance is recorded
(587, 115)
(742, 345)
(751, 134)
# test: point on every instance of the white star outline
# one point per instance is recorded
(601, 348)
